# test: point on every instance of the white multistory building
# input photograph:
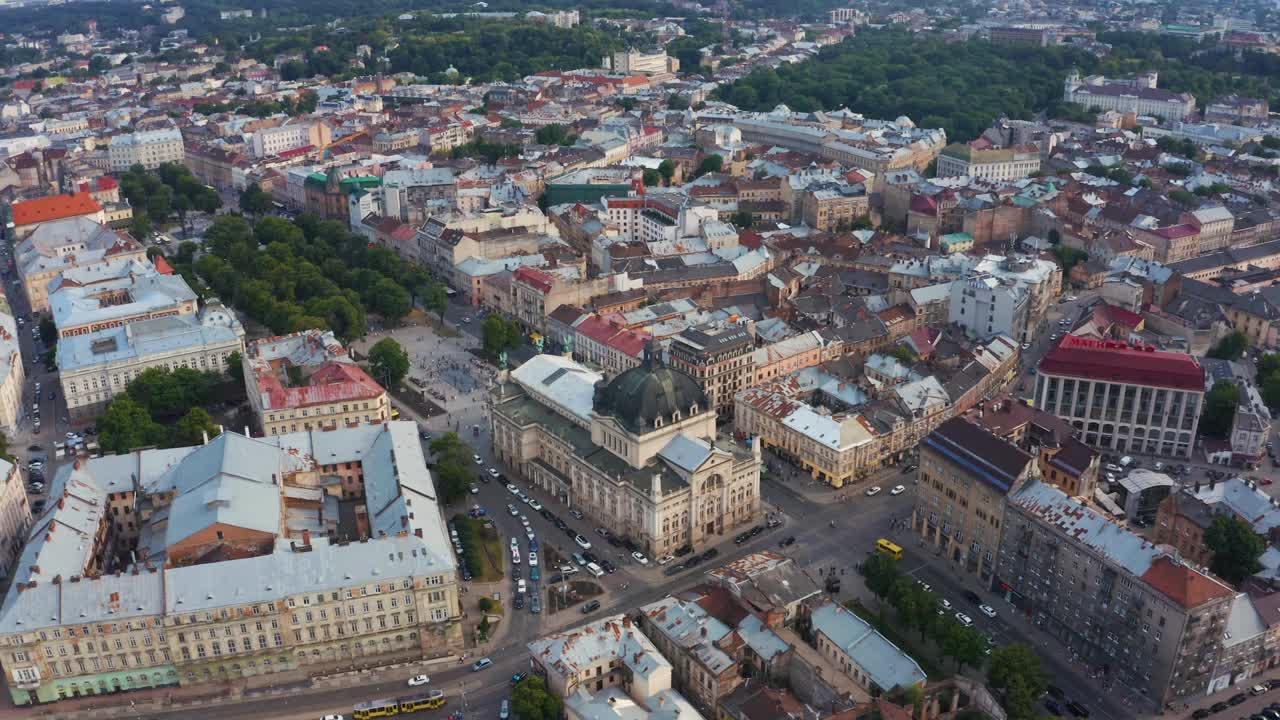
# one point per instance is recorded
(150, 149)
(986, 306)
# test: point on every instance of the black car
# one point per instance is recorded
(466, 575)
(788, 542)
(1055, 691)
(519, 601)
(972, 597)
(673, 570)
(1219, 707)
(546, 514)
(710, 554)
(590, 557)
(555, 579)
(1201, 713)
(608, 567)
(741, 539)
(1053, 708)
(756, 530)
(1237, 699)
(591, 607)
(1077, 709)
(560, 525)
(683, 550)
(573, 534)
(693, 561)
(614, 541)
(908, 469)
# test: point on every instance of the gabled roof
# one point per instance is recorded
(1183, 585)
(55, 207)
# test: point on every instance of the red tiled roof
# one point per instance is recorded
(536, 278)
(1185, 586)
(333, 382)
(924, 204)
(55, 207)
(1120, 362)
(162, 266)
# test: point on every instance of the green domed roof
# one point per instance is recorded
(638, 397)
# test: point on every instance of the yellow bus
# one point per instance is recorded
(395, 414)
(399, 706)
(884, 547)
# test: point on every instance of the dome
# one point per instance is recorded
(651, 395)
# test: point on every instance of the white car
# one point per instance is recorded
(417, 680)
(479, 460)
(666, 559)
(873, 491)
(987, 610)
(493, 472)
(512, 511)
(898, 490)
(513, 489)
(582, 542)
(640, 558)
(515, 544)
(964, 620)
(944, 603)
(475, 490)
(332, 717)
(1026, 346)
(537, 506)
(515, 556)
(528, 532)
(524, 520)
(533, 558)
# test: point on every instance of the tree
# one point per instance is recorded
(1069, 257)
(436, 299)
(531, 700)
(667, 170)
(881, 572)
(454, 466)
(743, 219)
(1219, 409)
(126, 425)
(254, 200)
(1016, 670)
(554, 134)
(235, 367)
(48, 330)
(710, 164)
(499, 335)
(388, 362)
(140, 225)
(1236, 548)
(652, 177)
(4, 447)
(390, 300)
(677, 102)
(1230, 347)
(193, 428)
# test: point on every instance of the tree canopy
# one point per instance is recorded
(1230, 347)
(1236, 548)
(532, 701)
(388, 362)
(454, 467)
(500, 334)
(1219, 409)
(1016, 670)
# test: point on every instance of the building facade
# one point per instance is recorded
(719, 358)
(965, 474)
(150, 149)
(1118, 602)
(137, 579)
(307, 381)
(15, 515)
(1012, 163)
(58, 246)
(1123, 398)
(638, 454)
(95, 368)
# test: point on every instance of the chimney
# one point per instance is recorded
(306, 539)
(417, 532)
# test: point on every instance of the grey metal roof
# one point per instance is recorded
(887, 665)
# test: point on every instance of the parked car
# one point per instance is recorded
(638, 557)
(898, 490)
(516, 678)
(417, 680)
(1075, 708)
(481, 664)
(591, 607)
(964, 620)
(873, 491)
(987, 610)
(788, 542)
(582, 542)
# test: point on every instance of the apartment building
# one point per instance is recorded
(149, 148)
(224, 562)
(96, 367)
(965, 474)
(719, 358)
(701, 649)
(412, 196)
(307, 381)
(1011, 163)
(61, 245)
(636, 62)
(833, 207)
(15, 516)
(639, 454)
(1114, 599)
(13, 373)
(290, 136)
(1123, 398)
(607, 346)
(985, 306)
(1063, 460)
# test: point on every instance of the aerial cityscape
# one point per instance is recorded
(639, 360)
